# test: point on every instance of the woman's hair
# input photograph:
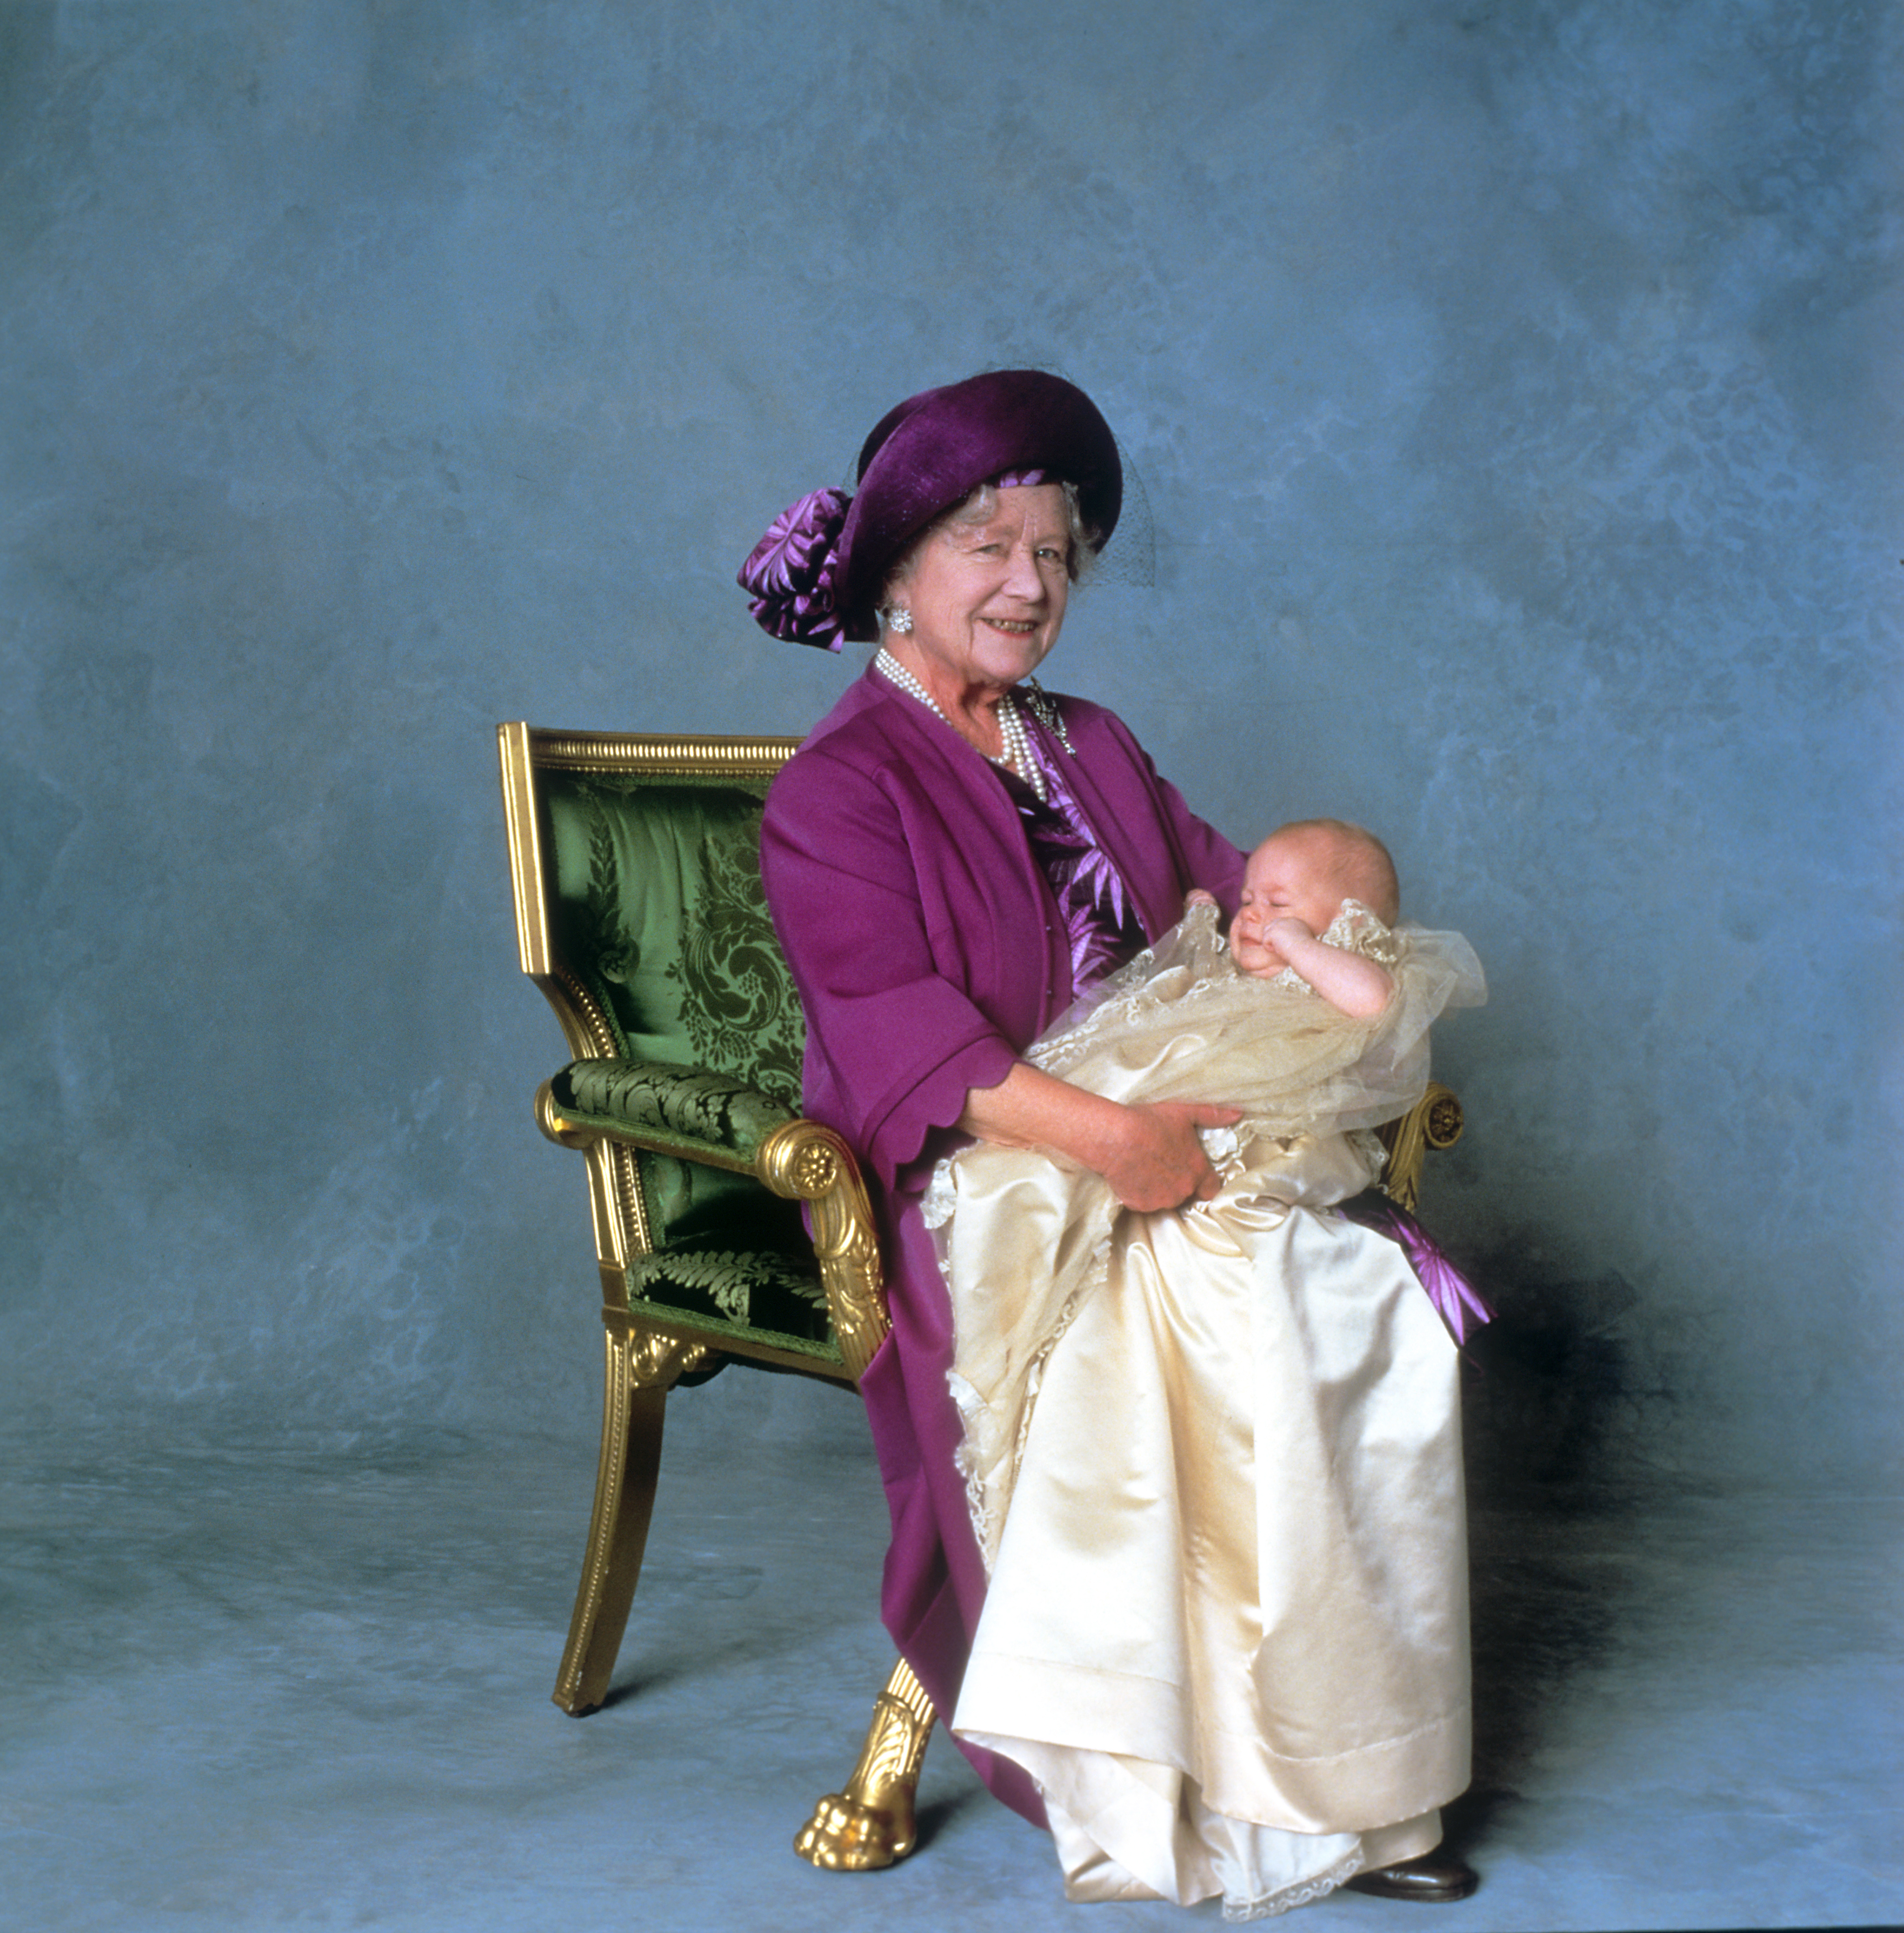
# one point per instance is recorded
(980, 508)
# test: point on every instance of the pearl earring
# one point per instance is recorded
(899, 619)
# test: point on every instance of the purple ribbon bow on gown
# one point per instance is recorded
(1457, 1301)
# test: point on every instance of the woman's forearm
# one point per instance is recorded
(1149, 1154)
(1030, 1108)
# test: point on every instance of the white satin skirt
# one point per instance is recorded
(1227, 1628)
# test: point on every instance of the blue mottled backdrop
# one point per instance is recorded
(1511, 386)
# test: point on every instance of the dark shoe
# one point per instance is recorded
(1436, 1877)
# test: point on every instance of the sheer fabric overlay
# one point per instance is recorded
(1155, 1029)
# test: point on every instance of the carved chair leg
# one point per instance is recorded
(871, 1823)
(637, 1371)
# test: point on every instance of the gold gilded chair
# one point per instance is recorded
(639, 914)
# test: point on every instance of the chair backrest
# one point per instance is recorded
(640, 914)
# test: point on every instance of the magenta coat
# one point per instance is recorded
(929, 952)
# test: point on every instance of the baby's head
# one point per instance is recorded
(1304, 871)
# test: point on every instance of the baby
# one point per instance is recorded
(1191, 1440)
(1307, 880)
(1312, 1021)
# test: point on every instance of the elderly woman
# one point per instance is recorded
(952, 856)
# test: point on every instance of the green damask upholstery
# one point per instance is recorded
(658, 911)
(659, 907)
(734, 1257)
(705, 1111)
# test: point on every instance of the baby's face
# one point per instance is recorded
(1286, 878)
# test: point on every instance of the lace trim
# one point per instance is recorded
(935, 1207)
(987, 1521)
(941, 1197)
(1272, 1904)
(1095, 1277)
(1353, 930)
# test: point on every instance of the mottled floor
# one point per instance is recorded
(248, 1686)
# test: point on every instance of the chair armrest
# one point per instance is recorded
(709, 1118)
(666, 1109)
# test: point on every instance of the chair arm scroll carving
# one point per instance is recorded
(554, 1123)
(1434, 1122)
(810, 1163)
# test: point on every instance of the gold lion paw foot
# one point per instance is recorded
(848, 1835)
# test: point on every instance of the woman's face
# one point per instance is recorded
(987, 599)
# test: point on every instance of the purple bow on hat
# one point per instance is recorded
(790, 572)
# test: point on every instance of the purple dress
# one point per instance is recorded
(1101, 921)
(930, 949)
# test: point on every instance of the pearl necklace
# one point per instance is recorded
(1011, 723)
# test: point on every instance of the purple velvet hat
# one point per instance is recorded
(816, 575)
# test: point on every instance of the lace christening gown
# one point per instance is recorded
(1213, 1455)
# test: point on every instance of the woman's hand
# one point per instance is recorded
(1148, 1154)
(1159, 1162)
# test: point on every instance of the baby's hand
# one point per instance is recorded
(1280, 932)
(1253, 945)
(1196, 897)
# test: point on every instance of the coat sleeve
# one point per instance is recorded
(895, 1038)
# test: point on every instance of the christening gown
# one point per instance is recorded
(1212, 1457)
